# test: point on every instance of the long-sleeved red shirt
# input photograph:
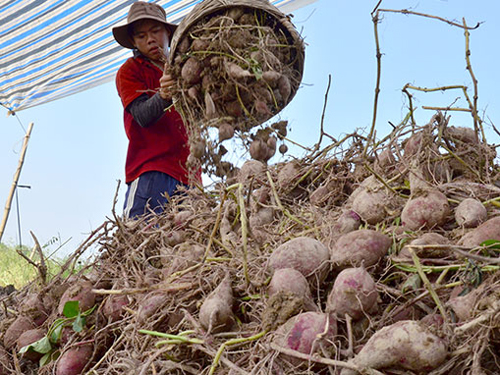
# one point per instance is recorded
(162, 146)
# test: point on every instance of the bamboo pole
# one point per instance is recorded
(14, 183)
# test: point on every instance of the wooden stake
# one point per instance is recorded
(14, 183)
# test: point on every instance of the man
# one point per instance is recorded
(158, 147)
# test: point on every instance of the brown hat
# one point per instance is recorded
(138, 11)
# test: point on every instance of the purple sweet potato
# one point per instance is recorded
(306, 333)
(304, 254)
(191, 71)
(489, 230)
(470, 213)
(406, 344)
(362, 247)
(28, 338)
(354, 293)
(292, 281)
(16, 329)
(113, 307)
(465, 306)
(428, 245)
(149, 305)
(371, 201)
(34, 307)
(74, 360)
(429, 210)
(347, 222)
(81, 292)
(216, 313)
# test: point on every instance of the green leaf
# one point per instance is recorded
(71, 309)
(412, 283)
(49, 357)
(55, 335)
(41, 346)
(79, 323)
(492, 244)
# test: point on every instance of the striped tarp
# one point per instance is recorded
(53, 48)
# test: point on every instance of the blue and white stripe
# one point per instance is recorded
(54, 48)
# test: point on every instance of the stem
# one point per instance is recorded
(232, 342)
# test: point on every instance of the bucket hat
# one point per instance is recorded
(138, 11)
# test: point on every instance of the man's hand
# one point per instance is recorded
(166, 85)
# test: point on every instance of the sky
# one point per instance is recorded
(77, 149)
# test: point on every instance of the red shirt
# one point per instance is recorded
(162, 146)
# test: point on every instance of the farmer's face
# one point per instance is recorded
(149, 37)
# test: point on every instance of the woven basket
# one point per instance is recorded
(211, 8)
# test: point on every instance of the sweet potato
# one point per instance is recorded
(362, 247)
(16, 329)
(354, 293)
(404, 345)
(113, 307)
(28, 338)
(347, 222)
(429, 210)
(34, 307)
(489, 230)
(371, 201)
(191, 71)
(149, 305)
(292, 281)
(465, 306)
(470, 213)
(423, 247)
(251, 169)
(306, 333)
(226, 131)
(304, 254)
(81, 292)
(74, 360)
(216, 313)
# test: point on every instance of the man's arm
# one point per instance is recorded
(146, 111)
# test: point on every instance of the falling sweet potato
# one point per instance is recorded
(216, 313)
(354, 293)
(470, 213)
(304, 254)
(362, 247)
(407, 344)
(74, 360)
(429, 210)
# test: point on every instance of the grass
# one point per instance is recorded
(15, 270)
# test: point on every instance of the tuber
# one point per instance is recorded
(216, 313)
(470, 213)
(74, 360)
(304, 254)
(428, 210)
(407, 344)
(354, 293)
(362, 247)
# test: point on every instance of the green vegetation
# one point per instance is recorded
(16, 270)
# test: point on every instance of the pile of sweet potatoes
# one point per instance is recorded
(319, 266)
